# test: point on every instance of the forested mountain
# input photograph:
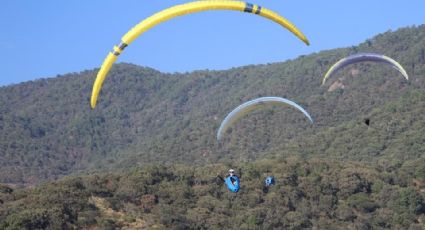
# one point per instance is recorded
(147, 117)
(147, 156)
(309, 194)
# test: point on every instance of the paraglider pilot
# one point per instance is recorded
(269, 181)
(231, 181)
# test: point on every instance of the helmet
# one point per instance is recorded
(231, 171)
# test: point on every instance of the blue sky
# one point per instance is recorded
(45, 38)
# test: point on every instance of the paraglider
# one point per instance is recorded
(361, 57)
(179, 10)
(256, 104)
(269, 181)
(231, 181)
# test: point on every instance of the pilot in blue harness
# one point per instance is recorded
(232, 181)
(269, 181)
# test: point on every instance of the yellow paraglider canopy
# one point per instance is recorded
(180, 10)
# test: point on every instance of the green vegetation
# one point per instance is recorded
(47, 129)
(314, 192)
(147, 156)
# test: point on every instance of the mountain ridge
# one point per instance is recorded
(145, 116)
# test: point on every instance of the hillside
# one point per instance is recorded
(309, 194)
(147, 117)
